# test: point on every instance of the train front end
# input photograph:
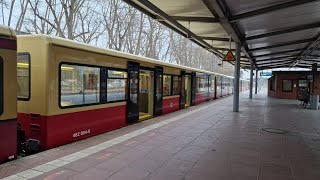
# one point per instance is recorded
(8, 94)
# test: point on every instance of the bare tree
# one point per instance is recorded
(23, 7)
(110, 23)
(61, 16)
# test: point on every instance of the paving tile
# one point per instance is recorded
(194, 175)
(129, 173)
(275, 170)
(306, 169)
(93, 174)
(147, 165)
(10, 170)
(113, 164)
(59, 174)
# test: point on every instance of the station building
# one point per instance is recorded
(291, 84)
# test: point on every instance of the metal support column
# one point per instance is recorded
(256, 89)
(236, 78)
(251, 81)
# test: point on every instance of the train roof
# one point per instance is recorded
(7, 32)
(86, 47)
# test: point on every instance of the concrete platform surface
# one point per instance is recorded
(207, 141)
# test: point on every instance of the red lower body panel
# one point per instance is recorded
(219, 94)
(57, 130)
(211, 96)
(8, 140)
(170, 105)
(224, 92)
(199, 98)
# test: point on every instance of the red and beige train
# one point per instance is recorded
(56, 91)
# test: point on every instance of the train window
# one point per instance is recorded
(287, 85)
(23, 76)
(116, 85)
(79, 85)
(176, 85)
(117, 74)
(202, 84)
(167, 85)
(1, 86)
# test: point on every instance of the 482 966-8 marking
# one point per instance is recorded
(81, 133)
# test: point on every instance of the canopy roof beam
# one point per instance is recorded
(279, 57)
(173, 24)
(215, 38)
(196, 19)
(280, 52)
(276, 62)
(308, 50)
(285, 65)
(219, 9)
(269, 9)
(290, 59)
(284, 44)
(285, 31)
(312, 55)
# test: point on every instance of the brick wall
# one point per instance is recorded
(295, 76)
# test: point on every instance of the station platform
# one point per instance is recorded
(207, 141)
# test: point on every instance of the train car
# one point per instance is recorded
(8, 95)
(70, 82)
(65, 84)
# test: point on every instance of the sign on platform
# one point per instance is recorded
(229, 56)
(265, 73)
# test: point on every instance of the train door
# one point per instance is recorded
(208, 87)
(222, 86)
(193, 87)
(158, 74)
(146, 94)
(218, 87)
(188, 90)
(133, 99)
(183, 90)
(215, 87)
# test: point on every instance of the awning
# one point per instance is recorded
(274, 33)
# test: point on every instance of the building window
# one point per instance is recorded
(79, 85)
(166, 85)
(287, 85)
(176, 85)
(23, 76)
(303, 83)
(116, 85)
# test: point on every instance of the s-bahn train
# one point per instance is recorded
(56, 91)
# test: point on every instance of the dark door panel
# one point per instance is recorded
(158, 83)
(208, 87)
(183, 90)
(133, 94)
(193, 87)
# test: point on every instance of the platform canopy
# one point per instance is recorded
(273, 33)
